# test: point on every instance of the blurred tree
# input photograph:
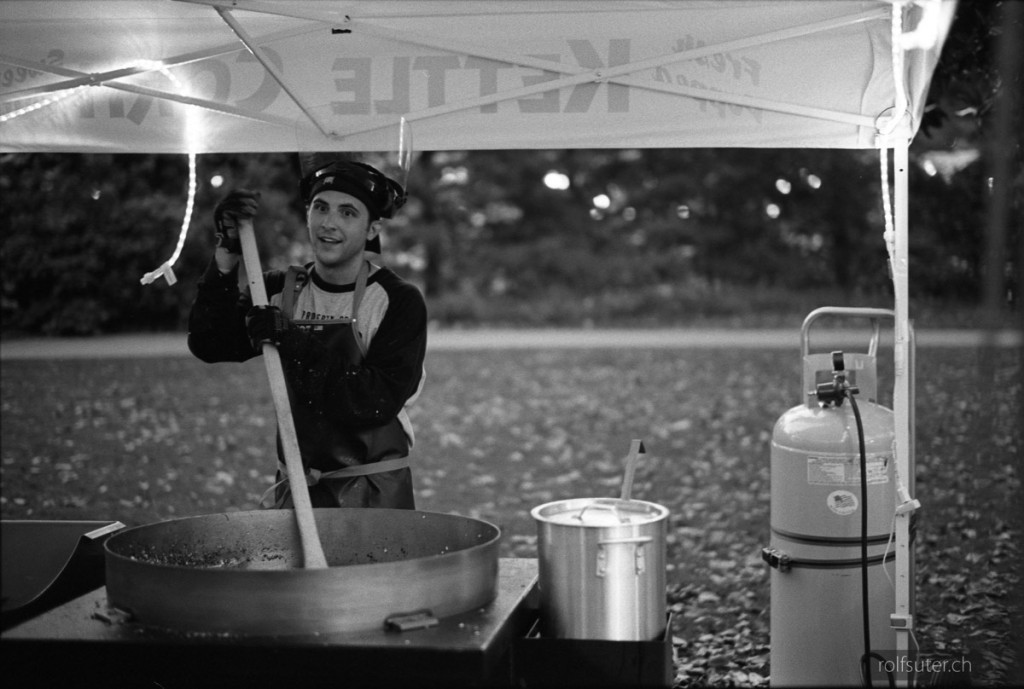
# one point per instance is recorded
(966, 80)
(82, 230)
(957, 151)
(77, 227)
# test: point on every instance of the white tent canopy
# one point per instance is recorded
(198, 76)
(204, 76)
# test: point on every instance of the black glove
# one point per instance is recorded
(266, 324)
(238, 204)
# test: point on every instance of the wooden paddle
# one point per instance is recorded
(312, 549)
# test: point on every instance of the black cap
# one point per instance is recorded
(381, 194)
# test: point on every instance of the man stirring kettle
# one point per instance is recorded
(351, 334)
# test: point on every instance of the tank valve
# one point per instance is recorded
(833, 394)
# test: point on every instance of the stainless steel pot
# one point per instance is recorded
(601, 568)
(240, 572)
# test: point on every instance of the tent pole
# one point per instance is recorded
(902, 619)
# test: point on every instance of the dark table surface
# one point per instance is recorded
(86, 643)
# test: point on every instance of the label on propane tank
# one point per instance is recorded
(842, 502)
(843, 470)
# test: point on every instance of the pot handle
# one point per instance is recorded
(639, 560)
(407, 621)
(635, 539)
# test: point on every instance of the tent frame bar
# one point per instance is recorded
(271, 68)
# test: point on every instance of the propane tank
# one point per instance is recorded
(815, 554)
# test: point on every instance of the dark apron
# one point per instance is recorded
(344, 467)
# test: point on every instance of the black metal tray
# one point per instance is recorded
(46, 563)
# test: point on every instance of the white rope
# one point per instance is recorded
(887, 213)
(887, 127)
(166, 270)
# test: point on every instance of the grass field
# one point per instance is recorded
(502, 431)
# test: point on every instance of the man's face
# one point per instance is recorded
(339, 225)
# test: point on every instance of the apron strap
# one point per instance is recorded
(295, 279)
(314, 476)
(292, 286)
(357, 299)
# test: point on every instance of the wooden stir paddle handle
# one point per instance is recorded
(312, 549)
(636, 448)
